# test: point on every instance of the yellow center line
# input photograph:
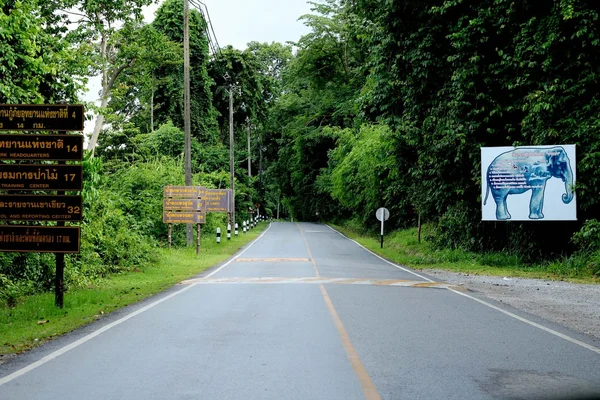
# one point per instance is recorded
(364, 379)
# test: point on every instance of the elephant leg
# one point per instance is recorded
(501, 208)
(536, 204)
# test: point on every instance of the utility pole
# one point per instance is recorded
(186, 104)
(249, 158)
(231, 169)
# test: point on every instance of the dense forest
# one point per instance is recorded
(382, 103)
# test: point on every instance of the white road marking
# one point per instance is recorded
(515, 316)
(105, 328)
(381, 258)
(535, 324)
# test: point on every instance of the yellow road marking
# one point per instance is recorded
(366, 383)
(322, 280)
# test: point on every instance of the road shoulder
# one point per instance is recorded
(572, 305)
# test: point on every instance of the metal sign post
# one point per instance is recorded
(382, 214)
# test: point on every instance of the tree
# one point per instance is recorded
(97, 22)
(37, 64)
(135, 88)
(169, 93)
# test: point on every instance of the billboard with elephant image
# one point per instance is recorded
(529, 183)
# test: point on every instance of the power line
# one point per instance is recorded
(212, 39)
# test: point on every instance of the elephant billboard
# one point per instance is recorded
(532, 183)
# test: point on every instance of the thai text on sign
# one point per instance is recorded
(40, 208)
(48, 117)
(41, 177)
(41, 147)
(45, 239)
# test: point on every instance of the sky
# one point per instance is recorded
(237, 22)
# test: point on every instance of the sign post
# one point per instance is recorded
(382, 214)
(60, 177)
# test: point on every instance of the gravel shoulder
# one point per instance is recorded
(575, 306)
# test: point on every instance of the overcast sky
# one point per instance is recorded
(237, 22)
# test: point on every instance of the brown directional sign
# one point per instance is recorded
(41, 147)
(41, 177)
(217, 200)
(46, 117)
(183, 205)
(45, 239)
(17, 207)
(186, 192)
(184, 217)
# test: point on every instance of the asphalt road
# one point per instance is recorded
(304, 313)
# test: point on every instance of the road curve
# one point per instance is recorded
(305, 313)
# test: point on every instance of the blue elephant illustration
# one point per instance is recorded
(523, 169)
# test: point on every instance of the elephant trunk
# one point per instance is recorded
(568, 175)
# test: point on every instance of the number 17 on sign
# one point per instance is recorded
(382, 214)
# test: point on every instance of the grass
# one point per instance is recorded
(35, 319)
(403, 248)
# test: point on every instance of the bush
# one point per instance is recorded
(456, 229)
(587, 239)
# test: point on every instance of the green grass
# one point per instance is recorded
(402, 247)
(35, 319)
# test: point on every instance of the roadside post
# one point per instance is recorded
(228, 231)
(244, 227)
(236, 229)
(382, 215)
(218, 235)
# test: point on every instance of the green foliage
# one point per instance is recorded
(37, 64)
(362, 171)
(587, 239)
(168, 99)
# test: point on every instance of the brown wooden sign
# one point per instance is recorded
(46, 117)
(183, 205)
(185, 192)
(218, 200)
(41, 147)
(41, 177)
(40, 208)
(184, 217)
(45, 239)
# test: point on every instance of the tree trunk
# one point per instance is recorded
(152, 110)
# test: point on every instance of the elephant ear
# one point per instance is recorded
(553, 160)
(556, 160)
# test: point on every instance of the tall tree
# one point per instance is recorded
(37, 63)
(98, 22)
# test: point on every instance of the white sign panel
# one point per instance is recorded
(382, 214)
(530, 183)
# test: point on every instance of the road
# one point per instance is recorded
(305, 313)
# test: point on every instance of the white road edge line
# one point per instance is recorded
(381, 258)
(105, 328)
(525, 320)
(515, 316)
